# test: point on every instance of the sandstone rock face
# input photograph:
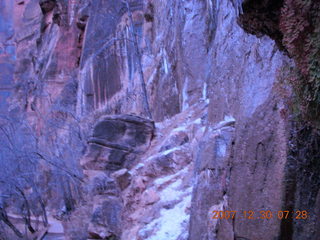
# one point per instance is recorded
(7, 53)
(220, 137)
(116, 143)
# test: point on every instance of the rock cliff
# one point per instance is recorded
(159, 120)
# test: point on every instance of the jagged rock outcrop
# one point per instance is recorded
(223, 133)
(116, 143)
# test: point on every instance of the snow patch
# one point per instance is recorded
(180, 129)
(171, 224)
(222, 149)
(197, 121)
(171, 192)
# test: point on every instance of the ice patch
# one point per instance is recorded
(165, 61)
(204, 90)
(71, 5)
(185, 104)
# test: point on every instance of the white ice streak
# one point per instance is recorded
(185, 104)
(171, 150)
(186, 125)
(165, 179)
(228, 121)
(163, 153)
(165, 61)
(137, 167)
(204, 91)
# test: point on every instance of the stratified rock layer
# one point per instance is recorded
(220, 137)
(116, 143)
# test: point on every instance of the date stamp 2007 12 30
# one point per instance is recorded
(263, 215)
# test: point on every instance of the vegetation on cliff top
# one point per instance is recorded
(300, 25)
(295, 27)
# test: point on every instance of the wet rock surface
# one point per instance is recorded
(221, 136)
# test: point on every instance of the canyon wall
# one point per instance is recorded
(7, 53)
(211, 130)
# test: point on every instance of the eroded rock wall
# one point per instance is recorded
(7, 53)
(219, 137)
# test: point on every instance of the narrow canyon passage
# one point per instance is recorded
(159, 120)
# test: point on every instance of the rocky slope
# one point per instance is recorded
(212, 129)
